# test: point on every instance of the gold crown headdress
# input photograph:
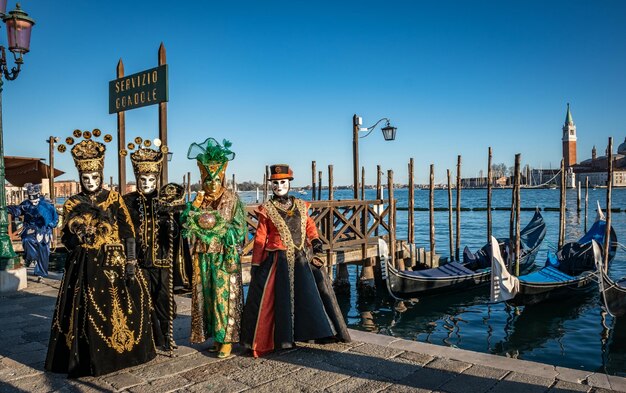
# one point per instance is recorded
(88, 154)
(144, 159)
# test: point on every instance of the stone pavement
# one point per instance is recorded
(372, 363)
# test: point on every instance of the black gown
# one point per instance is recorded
(158, 240)
(102, 318)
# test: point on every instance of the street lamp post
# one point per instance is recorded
(366, 280)
(52, 140)
(19, 26)
(389, 133)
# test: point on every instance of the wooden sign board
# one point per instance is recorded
(141, 89)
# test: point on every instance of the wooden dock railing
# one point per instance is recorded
(342, 225)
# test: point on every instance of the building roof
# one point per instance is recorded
(621, 149)
(599, 164)
(22, 170)
(569, 121)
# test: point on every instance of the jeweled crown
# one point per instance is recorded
(145, 159)
(88, 154)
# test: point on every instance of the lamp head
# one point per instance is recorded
(19, 26)
(389, 132)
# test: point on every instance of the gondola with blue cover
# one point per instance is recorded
(474, 271)
(567, 273)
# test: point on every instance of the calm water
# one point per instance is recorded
(574, 334)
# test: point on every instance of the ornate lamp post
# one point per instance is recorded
(389, 133)
(19, 26)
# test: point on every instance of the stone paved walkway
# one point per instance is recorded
(372, 363)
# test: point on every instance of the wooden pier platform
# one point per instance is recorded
(371, 363)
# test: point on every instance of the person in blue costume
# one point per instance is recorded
(39, 217)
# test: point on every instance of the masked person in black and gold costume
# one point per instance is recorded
(216, 224)
(102, 318)
(157, 233)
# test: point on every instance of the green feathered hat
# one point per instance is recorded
(212, 156)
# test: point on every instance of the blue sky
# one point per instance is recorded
(282, 80)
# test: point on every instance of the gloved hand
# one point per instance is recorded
(317, 262)
(317, 245)
(197, 202)
(86, 234)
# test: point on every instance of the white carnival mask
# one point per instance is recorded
(281, 187)
(91, 181)
(147, 183)
(35, 202)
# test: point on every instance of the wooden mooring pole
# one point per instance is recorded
(489, 181)
(458, 208)
(366, 281)
(379, 188)
(362, 183)
(319, 189)
(562, 207)
(431, 208)
(188, 186)
(450, 231)
(518, 176)
(266, 178)
(392, 222)
(342, 280)
(578, 200)
(586, 200)
(331, 220)
(512, 215)
(313, 185)
(411, 217)
(609, 191)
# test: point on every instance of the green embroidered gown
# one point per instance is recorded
(217, 290)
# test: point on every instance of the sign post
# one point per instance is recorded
(144, 88)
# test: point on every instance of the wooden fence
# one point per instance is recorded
(341, 225)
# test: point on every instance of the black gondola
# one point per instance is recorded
(613, 293)
(475, 270)
(567, 273)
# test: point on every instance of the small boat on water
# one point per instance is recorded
(567, 273)
(475, 270)
(613, 293)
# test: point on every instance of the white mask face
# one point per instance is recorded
(35, 202)
(147, 183)
(91, 181)
(281, 187)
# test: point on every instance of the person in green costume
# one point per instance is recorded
(215, 223)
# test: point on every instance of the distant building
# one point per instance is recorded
(569, 148)
(66, 188)
(569, 140)
(595, 168)
(545, 177)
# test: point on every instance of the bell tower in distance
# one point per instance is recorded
(569, 140)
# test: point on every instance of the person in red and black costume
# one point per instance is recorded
(290, 297)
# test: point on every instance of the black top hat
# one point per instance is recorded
(280, 171)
